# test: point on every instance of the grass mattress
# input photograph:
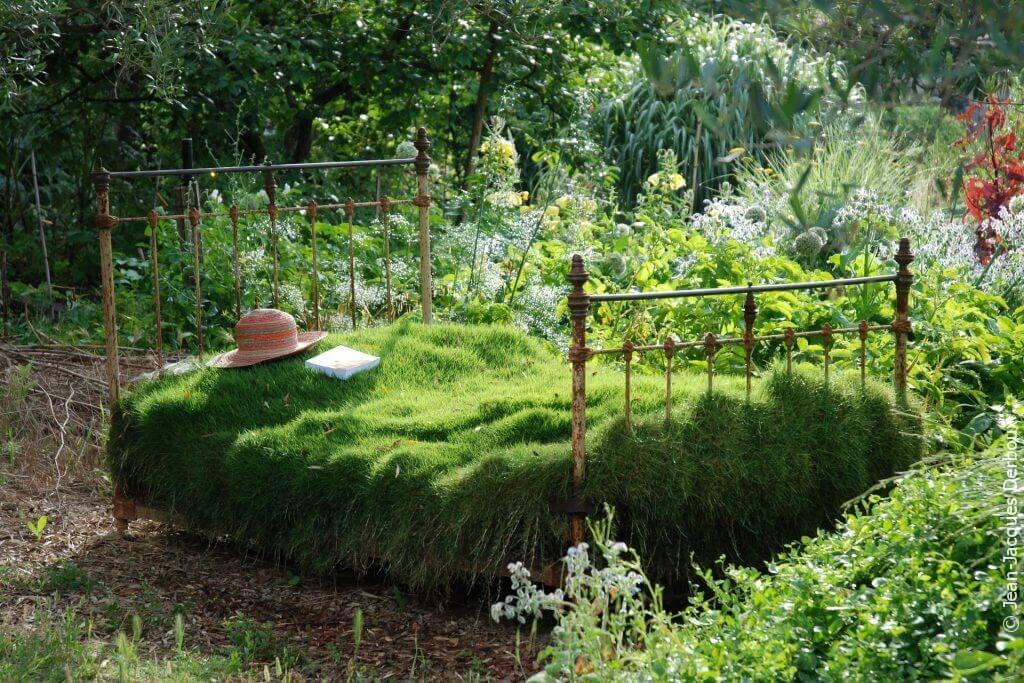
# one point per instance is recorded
(441, 464)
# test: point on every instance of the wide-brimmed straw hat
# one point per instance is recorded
(265, 334)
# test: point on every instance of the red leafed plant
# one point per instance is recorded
(998, 172)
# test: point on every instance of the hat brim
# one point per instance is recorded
(236, 359)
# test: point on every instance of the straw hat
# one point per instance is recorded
(265, 334)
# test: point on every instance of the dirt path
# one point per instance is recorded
(231, 601)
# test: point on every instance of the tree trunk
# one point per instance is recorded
(483, 87)
(253, 147)
(298, 139)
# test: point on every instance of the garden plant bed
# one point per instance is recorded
(443, 463)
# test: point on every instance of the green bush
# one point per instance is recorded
(721, 85)
(443, 462)
(909, 587)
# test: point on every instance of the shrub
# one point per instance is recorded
(906, 588)
(803, 191)
(722, 85)
(444, 461)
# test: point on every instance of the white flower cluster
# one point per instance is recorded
(536, 304)
(617, 585)
(724, 219)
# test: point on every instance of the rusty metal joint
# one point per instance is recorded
(124, 508)
(574, 507)
(105, 221)
(422, 201)
(580, 354)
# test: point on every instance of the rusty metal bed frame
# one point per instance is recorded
(106, 222)
(579, 353)
(187, 210)
(579, 303)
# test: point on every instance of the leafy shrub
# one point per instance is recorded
(906, 588)
(720, 86)
(801, 191)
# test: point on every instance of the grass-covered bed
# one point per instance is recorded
(444, 460)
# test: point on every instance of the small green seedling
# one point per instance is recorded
(37, 527)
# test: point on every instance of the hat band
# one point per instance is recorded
(263, 342)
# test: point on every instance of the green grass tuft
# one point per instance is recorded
(444, 460)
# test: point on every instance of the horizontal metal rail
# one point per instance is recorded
(310, 166)
(713, 291)
(726, 341)
(263, 211)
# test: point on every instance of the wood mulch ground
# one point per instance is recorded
(81, 564)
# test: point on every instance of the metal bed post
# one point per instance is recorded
(422, 165)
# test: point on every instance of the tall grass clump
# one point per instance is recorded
(809, 189)
(444, 461)
(720, 89)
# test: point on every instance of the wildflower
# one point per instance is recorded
(616, 264)
(563, 201)
(524, 196)
(653, 179)
(405, 150)
(808, 244)
(551, 212)
(755, 214)
(676, 181)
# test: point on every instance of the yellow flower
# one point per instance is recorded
(653, 179)
(551, 212)
(563, 201)
(676, 181)
(737, 150)
(524, 195)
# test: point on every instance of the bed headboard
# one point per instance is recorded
(189, 217)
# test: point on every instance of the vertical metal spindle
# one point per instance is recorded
(271, 188)
(710, 346)
(579, 306)
(789, 339)
(385, 208)
(154, 260)
(826, 342)
(627, 355)
(749, 316)
(235, 267)
(193, 218)
(311, 215)
(670, 348)
(862, 330)
(350, 211)
(422, 201)
(105, 223)
(901, 324)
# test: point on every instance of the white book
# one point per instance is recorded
(342, 362)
